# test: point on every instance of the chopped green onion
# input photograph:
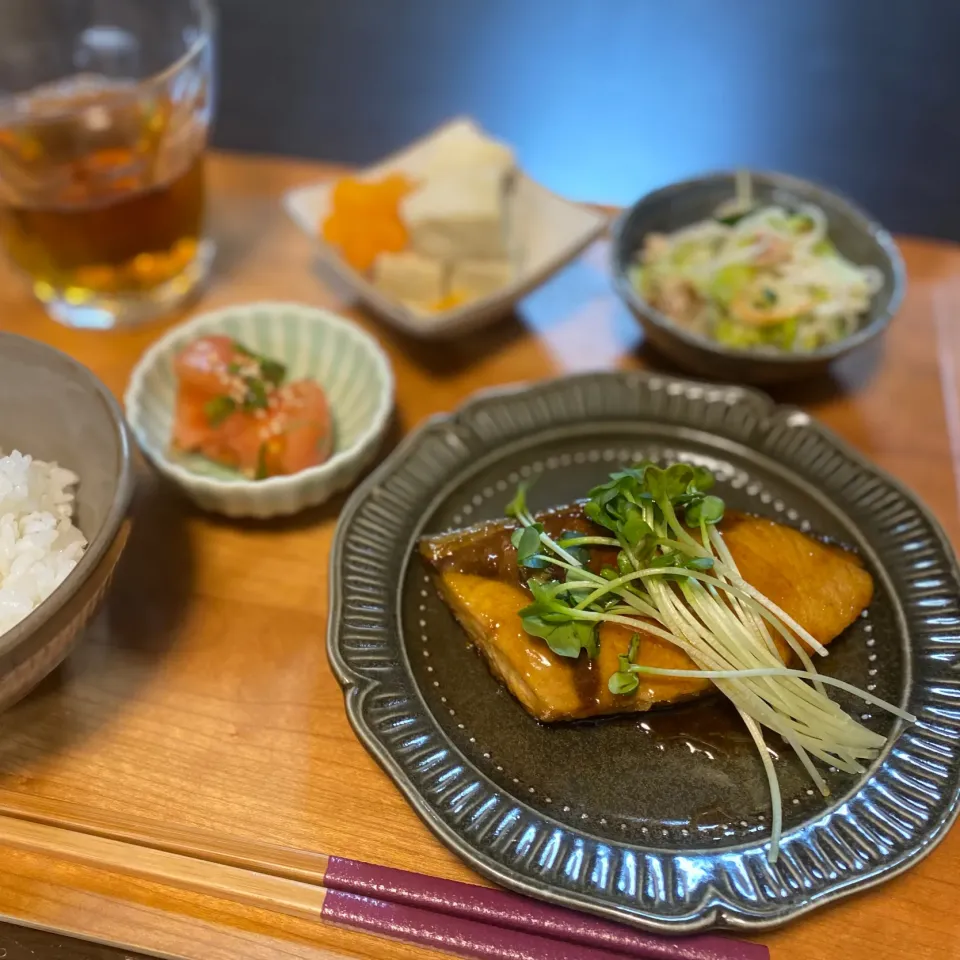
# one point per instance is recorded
(256, 397)
(261, 472)
(218, 409)
(273, 371)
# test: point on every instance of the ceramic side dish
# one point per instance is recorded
(549, 232)
(659, 819)
(347, 362)
(55, 409)
(856, 236)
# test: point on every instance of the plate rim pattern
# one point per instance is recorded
(901, 809)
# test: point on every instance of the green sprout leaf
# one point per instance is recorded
(576, 596)
(620, 684)
(546, 601)
(598, 507)
(528, 547)
(655, 482)
(606, 601)
(681, 560)
(638, 504)
(598, 515)
(566, 639)
(708, 510)
(517, 507)
(625, 681)
(551, 618)
(634, 528)
(579, 552)
(543, 590)
(589, 639)
(677, 478)
(610, 487)
(668, 560)
(702, 481)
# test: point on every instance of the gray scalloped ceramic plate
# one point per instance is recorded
(661, 819)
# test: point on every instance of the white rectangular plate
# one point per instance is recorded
(549, 232)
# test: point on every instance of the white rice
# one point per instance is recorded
(39, 545)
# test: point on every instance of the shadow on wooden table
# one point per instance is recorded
(848, 375)
(22, 943)
(441, 358)
(450, 358)
(311, 517)
(153, 587)
(122, 647)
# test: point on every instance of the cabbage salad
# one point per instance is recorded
(757, 277)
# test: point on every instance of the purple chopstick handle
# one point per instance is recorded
(501, 909)
(463, 938)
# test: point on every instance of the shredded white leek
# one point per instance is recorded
(723, 624)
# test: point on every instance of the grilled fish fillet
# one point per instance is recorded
(823, 587)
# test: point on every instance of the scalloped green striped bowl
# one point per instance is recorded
(347, 362)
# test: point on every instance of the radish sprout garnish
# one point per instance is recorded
(678, 581)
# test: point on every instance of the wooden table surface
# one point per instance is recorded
(202, 697)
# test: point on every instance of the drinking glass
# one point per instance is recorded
(105, 106)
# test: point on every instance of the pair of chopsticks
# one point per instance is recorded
(462, 919)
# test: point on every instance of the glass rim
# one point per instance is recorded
(206, 28)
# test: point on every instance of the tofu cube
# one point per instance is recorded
(413, 279)
(473, 279)
(459, 215)
(462, 146)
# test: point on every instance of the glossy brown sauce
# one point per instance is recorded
(711, 726)
(486, 551)
(587, 680)
(470, 563)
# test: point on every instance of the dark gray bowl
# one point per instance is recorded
(56, 409)
(856, 236)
